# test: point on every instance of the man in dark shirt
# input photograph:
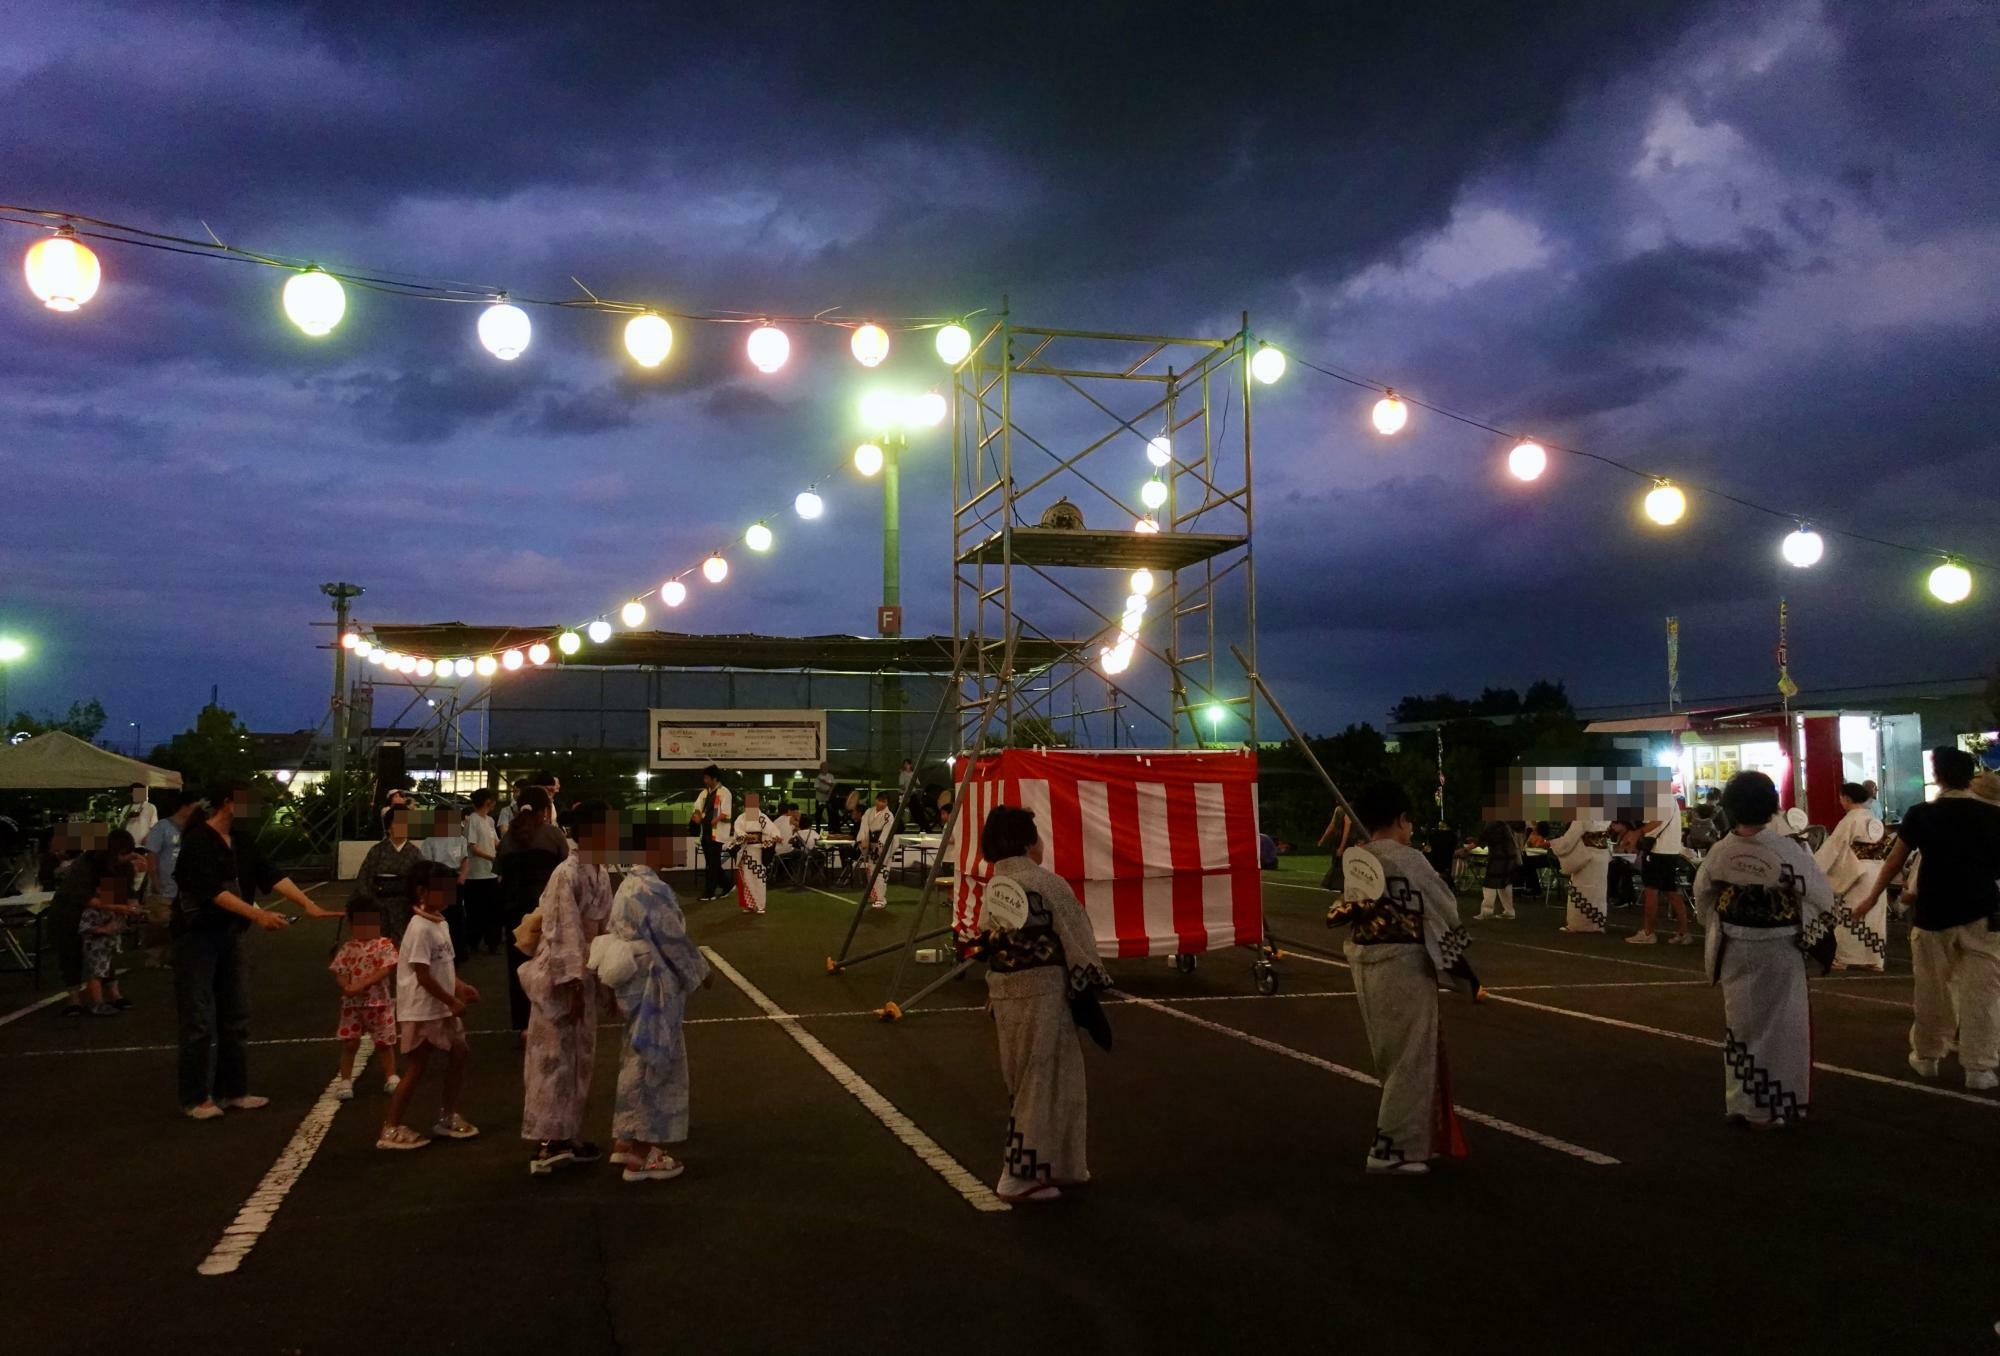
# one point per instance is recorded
(1954, 938)
(217, 880)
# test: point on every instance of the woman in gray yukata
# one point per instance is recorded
(1043, 974)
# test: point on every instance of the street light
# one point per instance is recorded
(11, 650)
(1214, 713)
(138, 739)
(889, 417)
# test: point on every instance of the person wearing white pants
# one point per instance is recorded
(1954, 944)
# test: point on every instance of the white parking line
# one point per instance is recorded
(1562, 1146)
(257, 1212)
(976, 1193)
(18, 1013)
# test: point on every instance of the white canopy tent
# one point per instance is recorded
(61, 762)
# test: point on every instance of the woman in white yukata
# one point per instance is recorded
(651, 967)
(1043, 974)
(1583, 851)
(1857, 946)
(752, 835)
(1765, 904)
(562, 993)
(1404, 939)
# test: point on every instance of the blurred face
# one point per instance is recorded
(751, 801)
(597, 842)
(446, 824)
(365, 927)
(437, 898)
(138, 795)
(399, 823)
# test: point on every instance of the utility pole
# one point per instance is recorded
(342, 594)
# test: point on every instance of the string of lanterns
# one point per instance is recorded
(1665, 502)
(64, 274)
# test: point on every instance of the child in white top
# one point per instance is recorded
(430, 998)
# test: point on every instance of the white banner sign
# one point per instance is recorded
(761, 740)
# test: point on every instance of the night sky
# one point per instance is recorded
(1753, 245)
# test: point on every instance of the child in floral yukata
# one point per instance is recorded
(102, 924)
(365, 968)
(561, 1048)
(651, 1110)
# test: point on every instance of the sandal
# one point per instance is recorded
(400, 1137)
(455, 1126)
(658, 1167)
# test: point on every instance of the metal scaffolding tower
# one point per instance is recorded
(1041, 416)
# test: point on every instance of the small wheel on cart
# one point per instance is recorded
(1184, 962)
(1266, 975)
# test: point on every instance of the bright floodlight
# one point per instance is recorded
(1803, 548)
(715, 569)
(808, 505)
(1153, 493)
(463, 667)
(11, 649)
(1214, 713)
(649, 338)
(487, 666)
(1160, 450)
(881, 410)
(538, 653)
(569, 642)
(1142, 582)
(1665, 504)
(1267, 364)
(870, 345)
(768, 348)
(504, 329)
(632, 614)
(673, 593)
(758, 538)
(1528, 460)
(1951, 582)
(868, 459)
(599, 631)
(315, 301)
(925, 411)
(511, 660)
(63, 272)
(953, 343)
(1390, 414)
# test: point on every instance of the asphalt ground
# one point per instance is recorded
(1605, 1203)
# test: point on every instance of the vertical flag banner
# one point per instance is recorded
(1786, 687)
(1673, 663)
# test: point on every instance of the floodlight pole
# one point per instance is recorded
(342, 594)
(892, 585)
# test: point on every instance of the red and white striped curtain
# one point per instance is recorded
(1160, 847)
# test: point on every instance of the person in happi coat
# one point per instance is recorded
(1583, 852)
(1857, 946)
(1503, 859)
(562, 994)
(752, 835)
(1043, 975)
(1404, 939)
(874, 836)
(712, 819)
(1765, 904)
(652, 979)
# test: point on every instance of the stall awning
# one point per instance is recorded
(61, 762)
(1662, 724)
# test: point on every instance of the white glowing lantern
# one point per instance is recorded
(406, 663)
(870, 345)
(808, 505)
(1146, 525)
(1803, 548)
(1153, 493)
(673, 593)
(1160, 450)
(1665, 504)
(362, 649)
(599, 631)
(350, 640)
(1118, 658)
(926, 411)
(632, 614)
(1951, 582)
(868, 459)
(487, 666)
(758, 538)
(463, 667)
(425, 668)
(649, 339)
(1142, 583)
(505, 330)
(1135, 605)
(538, 653)
(569, 642)
(1390, 414)
(512, 660)
(768, 348)
(953, 343)
(315, 301)
(444, 671)
(63, 272)
(715, 569)
(1267, 364)
(378, 657)
(1528, 460)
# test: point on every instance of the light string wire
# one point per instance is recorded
(1804, 520)
(419, 288)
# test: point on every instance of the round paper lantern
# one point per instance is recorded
(62, 271)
